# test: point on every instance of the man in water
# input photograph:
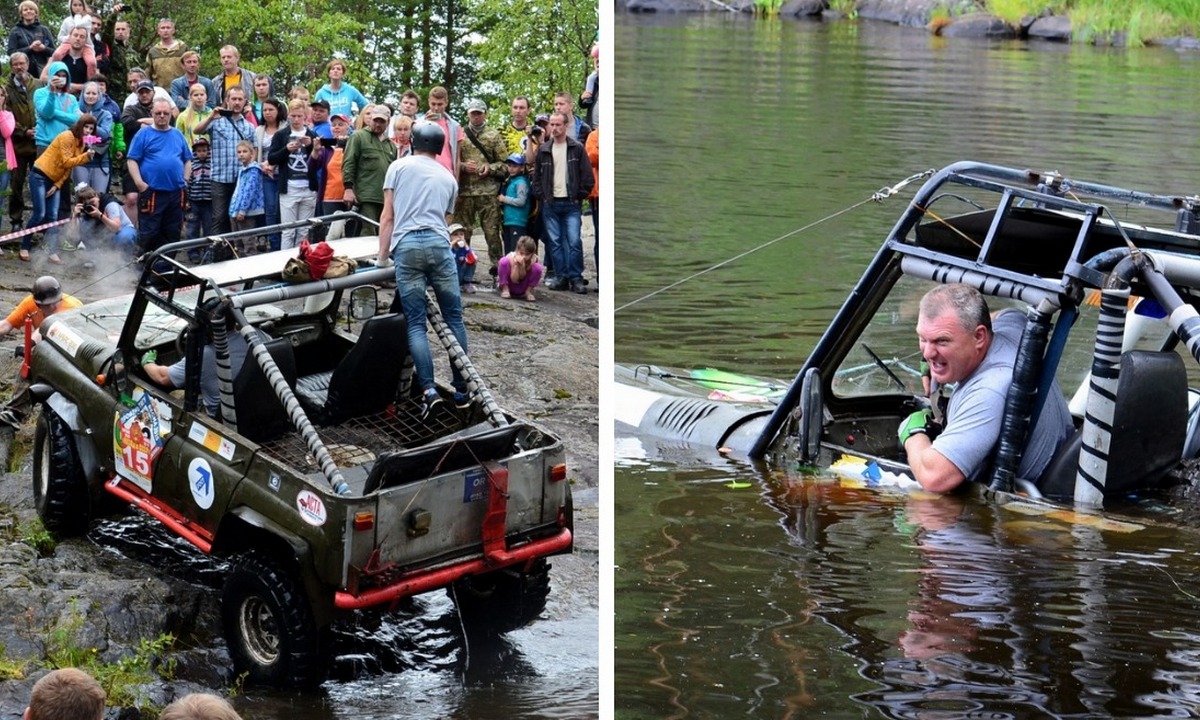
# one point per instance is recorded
(963, 344)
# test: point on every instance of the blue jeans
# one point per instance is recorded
(45, 209)
(563, 240)
(423, 257)
(271, 208)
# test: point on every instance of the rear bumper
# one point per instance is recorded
(420, 582)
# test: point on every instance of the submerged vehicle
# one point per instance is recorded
(326, 483)
(1109, 289)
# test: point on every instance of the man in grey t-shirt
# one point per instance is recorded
(963, 344)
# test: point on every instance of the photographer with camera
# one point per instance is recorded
(100, 221)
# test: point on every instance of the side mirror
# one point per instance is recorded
(114, 371)
(364, 302)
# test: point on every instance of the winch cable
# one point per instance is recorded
(878, 196)
(458, 357)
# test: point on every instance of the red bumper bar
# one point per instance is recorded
(424, 582)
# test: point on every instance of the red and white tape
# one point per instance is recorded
(35, 228)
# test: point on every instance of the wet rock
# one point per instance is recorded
(978, 25)
(1054, 27)
(654, 6)
(909, 13)
(802, 8)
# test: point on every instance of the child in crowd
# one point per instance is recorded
(520, 272)
(199, 196)
(80, 16)
(464, 258)
(246, 206)
(514, 196)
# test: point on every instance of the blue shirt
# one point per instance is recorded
(160, 155)
(224, 134)
(342, 100)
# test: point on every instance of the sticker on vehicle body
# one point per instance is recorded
(65, 338)
(312, 509)
(475, 485)
(139, 434)
(213, 441)
(200, 482)
(274, 482)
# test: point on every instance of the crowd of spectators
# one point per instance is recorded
(109, 143)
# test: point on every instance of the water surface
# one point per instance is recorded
(768, 592)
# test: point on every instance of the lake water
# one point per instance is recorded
(764, 592)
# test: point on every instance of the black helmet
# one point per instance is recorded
(428, 137)
(46, 290)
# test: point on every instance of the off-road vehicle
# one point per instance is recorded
(325, 483)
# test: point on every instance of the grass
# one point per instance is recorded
(60, 647)
(1102, 20)
(1093, 20)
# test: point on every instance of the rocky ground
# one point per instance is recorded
(540, 359)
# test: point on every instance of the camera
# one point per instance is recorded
(91, 208)
(535, 132)
(225, 112)
(340, 142)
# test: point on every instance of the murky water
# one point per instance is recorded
(415, 661)
(766, 592)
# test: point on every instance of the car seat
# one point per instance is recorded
(261, 416)
(366, 379)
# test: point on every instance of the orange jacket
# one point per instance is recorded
(593, 150)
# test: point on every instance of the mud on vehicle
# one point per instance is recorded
(323, 483)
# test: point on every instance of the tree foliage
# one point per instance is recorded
(486, 49)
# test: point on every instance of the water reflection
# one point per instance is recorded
(803, 596)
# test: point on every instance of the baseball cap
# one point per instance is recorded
(320, 104)
(515, 159)
(343, 117)
(476, 106)
(200, 141)
(542, 119)
(144, 85)
(381, 111)
(456, 228)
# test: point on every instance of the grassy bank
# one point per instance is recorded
(1140, 21)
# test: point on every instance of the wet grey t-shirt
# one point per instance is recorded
(977, 406)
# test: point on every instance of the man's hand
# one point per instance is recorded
(383, 262)
(919, 423)
(150, 356)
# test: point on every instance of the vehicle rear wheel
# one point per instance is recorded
(504, 599)
(268, 623)
(60, 491)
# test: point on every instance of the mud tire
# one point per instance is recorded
(269, 624)
(60, 491)
(505, 599)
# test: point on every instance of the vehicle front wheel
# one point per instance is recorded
(504, 599)
(60, 491)
(269, 624)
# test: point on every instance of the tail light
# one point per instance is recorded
(558, 473)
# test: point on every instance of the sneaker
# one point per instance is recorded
(462, 401)
(557, 284)
(504, 293)
(469, 288)
(579, 286)
(429, 401)
(67, 245)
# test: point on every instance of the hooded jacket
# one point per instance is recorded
(56, 111)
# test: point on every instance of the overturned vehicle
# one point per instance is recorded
(326, 483)
(1108, 280)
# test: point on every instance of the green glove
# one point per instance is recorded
(920, 422)
(149, 357)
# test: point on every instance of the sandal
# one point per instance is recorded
(24, 254)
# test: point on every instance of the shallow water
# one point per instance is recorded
(765, 592)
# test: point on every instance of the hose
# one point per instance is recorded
(459, 359)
